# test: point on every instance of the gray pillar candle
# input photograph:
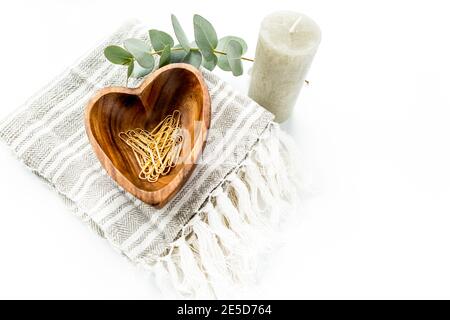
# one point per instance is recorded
(286, 47)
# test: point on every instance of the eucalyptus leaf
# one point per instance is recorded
(133, 44)
(210, 64)
(222, 46)
(194, 58)
(160, 40)
(234, 53)
(118, 55)
(130, 69)
(141, 52)
(205, 36)
(177, 56)
(140, 72)
(179, 33)
(165, 57)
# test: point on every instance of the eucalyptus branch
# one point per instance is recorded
(207, 50)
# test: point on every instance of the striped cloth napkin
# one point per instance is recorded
(195, 241)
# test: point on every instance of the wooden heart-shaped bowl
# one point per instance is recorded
(113, 110)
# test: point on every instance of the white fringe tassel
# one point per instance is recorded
(221, 247)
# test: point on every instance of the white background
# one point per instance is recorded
(373, 130)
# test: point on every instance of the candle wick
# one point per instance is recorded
(296, 23)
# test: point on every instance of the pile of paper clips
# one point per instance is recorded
(158, 151)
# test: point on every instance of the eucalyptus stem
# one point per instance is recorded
(197, 49)
(224, 53)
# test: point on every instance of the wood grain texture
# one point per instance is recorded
(116, 109)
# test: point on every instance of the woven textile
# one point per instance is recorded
(48, 135)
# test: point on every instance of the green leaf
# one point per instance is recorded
(194, 58)
(234, 53)
(205, 36)
(140, 72)
(160, 40)
(165, 57)
(133, 44)
(117, 55)
(130, 69)
(179, 33)
(177, 55)
(222, 46)
(210, 64)
(141, 52)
